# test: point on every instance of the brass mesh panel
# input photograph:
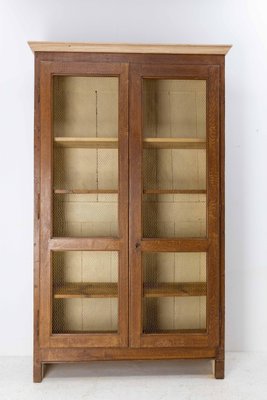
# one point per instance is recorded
(85, 106)
(85, 179)
(85, 215)
(93, 169)
(174, 290)
(174, 108)
(174, 173)
(85, 291)
(177, 215)
(174, 169)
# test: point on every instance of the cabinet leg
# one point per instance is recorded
(219, 369)
(37, 372)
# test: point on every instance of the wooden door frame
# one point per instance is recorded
(210, 244)
(45, 235)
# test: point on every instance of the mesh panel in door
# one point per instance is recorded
(85, 215)
(174, 215)
(174, 158)
(174, 292)
(174, 108)
(85, 169)
(85, 291)
(85, 179)
(85, 106)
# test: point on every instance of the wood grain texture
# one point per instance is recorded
(91, 143)
(70, 290)
(135, 207)
(181, 244)
(37, 365)
(181, 289)
(38, 372)
(85, 354)
(174, 143)
(219, 369)
(112, 143)
(85, 191)
(213, 172)
(174, 191)
(123, 198)
(85, 340)
(45, 204)
(64, 244)
(221, 348)
(128, 48)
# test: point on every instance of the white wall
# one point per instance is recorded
(239, 22)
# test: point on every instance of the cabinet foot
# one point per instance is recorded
(37, 372)
(219, 369)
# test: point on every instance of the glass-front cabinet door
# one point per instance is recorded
(84, 205)
(174, 203)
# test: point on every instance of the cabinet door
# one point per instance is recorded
(84, 205)
(174, 206)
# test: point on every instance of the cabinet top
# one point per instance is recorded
(129, 48)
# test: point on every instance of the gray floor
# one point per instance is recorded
(246, 379)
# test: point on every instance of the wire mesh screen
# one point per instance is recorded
(85, 215)
(174, 290)
(85, 291)
(85, 174)
(174, 169)
(174, 108)
(174, 158)
(174, 199)
(175, 215)
(85, 169)
(85, 106)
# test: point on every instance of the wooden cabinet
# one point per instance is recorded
(129, 203)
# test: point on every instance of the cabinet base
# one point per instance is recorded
(76, 355)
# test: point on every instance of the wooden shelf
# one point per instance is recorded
(174, 331)
(112, 143)
(70, 290)
(145, 191)
(87, 142)
(87, 331)
(175, 143)
(166, 289)
(85, 191)
(174, 191)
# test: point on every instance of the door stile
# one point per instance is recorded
(213, 171)
(123, 289)
(135, 201)
(45, 204)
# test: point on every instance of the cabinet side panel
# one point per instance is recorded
(37, 370)
(222, 212)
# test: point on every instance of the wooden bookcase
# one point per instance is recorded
(129, 203)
